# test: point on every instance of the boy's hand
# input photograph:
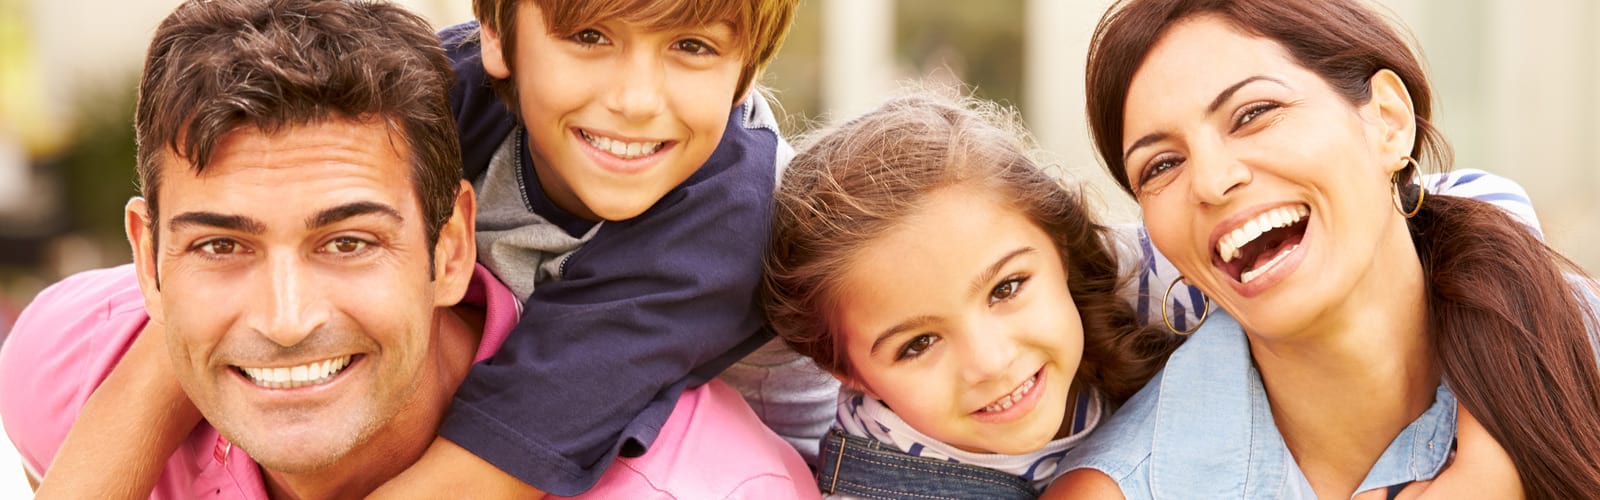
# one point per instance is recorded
(1479, 469)
(447, 467)
(127, 429)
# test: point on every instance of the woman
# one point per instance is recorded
(1274, 147)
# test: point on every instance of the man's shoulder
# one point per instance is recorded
(62, 347)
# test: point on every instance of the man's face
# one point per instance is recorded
(292, 280)
(618, 114)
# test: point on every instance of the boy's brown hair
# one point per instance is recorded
(759, 26)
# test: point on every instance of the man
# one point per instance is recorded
(303, 252)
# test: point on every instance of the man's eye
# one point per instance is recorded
(344, 245)
(219, 247)
(589, 37)
(915, 347)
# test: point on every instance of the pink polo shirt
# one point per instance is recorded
(66, 342)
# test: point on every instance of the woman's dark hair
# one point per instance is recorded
(852, 184)
(1509, 327)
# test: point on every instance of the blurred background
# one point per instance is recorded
(1518, 84)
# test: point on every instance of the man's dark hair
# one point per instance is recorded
(218, 66)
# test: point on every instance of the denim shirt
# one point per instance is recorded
(1202, 428)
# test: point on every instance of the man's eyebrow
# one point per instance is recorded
(988, 275)
(348, 210)
(219, 221)
(916, 322)
(1222, 97)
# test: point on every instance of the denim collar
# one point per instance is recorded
(1215, 436)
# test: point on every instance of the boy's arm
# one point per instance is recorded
(127, 429)
(1152, 273)
(446, 467)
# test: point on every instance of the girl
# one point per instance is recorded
(926, 260)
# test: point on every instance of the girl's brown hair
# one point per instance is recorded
(1508, 325)
(853, 183)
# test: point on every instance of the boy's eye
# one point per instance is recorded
(915, 347)
(589, 37)
(1006, 290)
(218, 247)
(695, 47)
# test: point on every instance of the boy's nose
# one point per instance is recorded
(290, 306)
(637, 92)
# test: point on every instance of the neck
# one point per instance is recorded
(1342, 390)
(403, 439)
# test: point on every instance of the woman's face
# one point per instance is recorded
(1265, 187)
(960, 320)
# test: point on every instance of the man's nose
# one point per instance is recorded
(291, 303)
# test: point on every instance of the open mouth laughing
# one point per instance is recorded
(1260, 244)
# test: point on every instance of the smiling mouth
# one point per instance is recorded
(622, 149)
(1015, 396)
(1259, 244)
(293, 377)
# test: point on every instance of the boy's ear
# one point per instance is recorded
(137, 223)
(490, 50)
(456, 252)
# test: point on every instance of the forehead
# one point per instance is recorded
(654, 15)
(299, 168)
(1198, 57)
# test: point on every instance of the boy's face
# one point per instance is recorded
(617, 114)
(959, 318)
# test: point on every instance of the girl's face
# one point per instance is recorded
(1265, 187)
(959, 319)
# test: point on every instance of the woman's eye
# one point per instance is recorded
(219, 247)
(1251, 113)
(915, 347)
(1005, 290)
(345, 245)
(589, 37)
(695, 47)
(1160, 165)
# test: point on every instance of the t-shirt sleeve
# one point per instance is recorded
(62, 346)
(648, 307)
(1490, 188)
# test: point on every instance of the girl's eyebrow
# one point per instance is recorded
(993, 270)
(909, 324)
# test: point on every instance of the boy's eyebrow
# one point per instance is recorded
(909, 324)
(994, 270)
(238, 223)
(348, 210)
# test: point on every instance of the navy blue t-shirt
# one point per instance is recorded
(648, 307)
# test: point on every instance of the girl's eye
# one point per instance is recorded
(1006, 290)
(915, 347)
(695, 47)
(219, 247)
(344, 245)
(1250, 113)
(589, 37)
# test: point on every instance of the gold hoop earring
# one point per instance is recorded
(1394, 187)
(1167, 299)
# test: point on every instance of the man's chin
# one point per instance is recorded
(302, 446)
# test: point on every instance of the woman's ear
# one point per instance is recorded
(1396, 116)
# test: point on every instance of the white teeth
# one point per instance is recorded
(1228, 246)
(624, 150)
(1005, 402)
(297, 376)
